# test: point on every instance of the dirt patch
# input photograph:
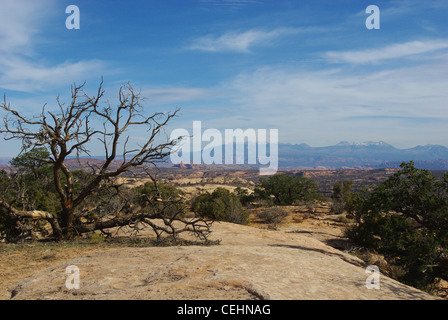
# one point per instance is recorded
(23, 260)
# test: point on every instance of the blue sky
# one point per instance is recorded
(310, 69)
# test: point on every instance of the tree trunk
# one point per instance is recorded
(67, 220)
(35, 214)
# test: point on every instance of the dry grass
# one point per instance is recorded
(18, 261)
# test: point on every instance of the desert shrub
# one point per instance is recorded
(263, 203)
(8, 226)
(287, 190)
(163, 191)
(28, 187)
(221, 205)
(97, 238)
(273, 215)
(8, 223)
(163, 199)
(342, 218)
(341, 196)
(31, 183)
(34, 163)
(244, 196)
(406, 219)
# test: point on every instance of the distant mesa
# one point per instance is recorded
(185, 166)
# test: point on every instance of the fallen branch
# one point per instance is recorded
(35, 215)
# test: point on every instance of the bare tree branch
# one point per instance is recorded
(70, 130)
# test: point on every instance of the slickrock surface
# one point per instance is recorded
(249, 263)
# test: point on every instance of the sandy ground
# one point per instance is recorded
(291, 263)
(21, 261)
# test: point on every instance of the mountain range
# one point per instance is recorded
(362, 155)
(344, 155)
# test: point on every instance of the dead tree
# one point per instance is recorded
(69, 132)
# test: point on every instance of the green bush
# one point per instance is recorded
(165, 200)
(163, 191)
(221, 205)
(29, 187)
(9, 229)
(243, 195)
(406, 219)
(287, 190)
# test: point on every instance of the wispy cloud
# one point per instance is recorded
(18, 19)
(233, 4)
(175, 94)
(400, 91)
(394, 51)
(22, 75)
(402, 8)
(318, 106)
(240, 41)
(22, 68)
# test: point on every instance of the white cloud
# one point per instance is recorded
(404, 106)
(22, 26)
(240, 41)
(23, 75)
(394, 51)
(393, 91)
(175, 94)
(18, 21)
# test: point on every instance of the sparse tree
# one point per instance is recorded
(341, 196)
(69, 133)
